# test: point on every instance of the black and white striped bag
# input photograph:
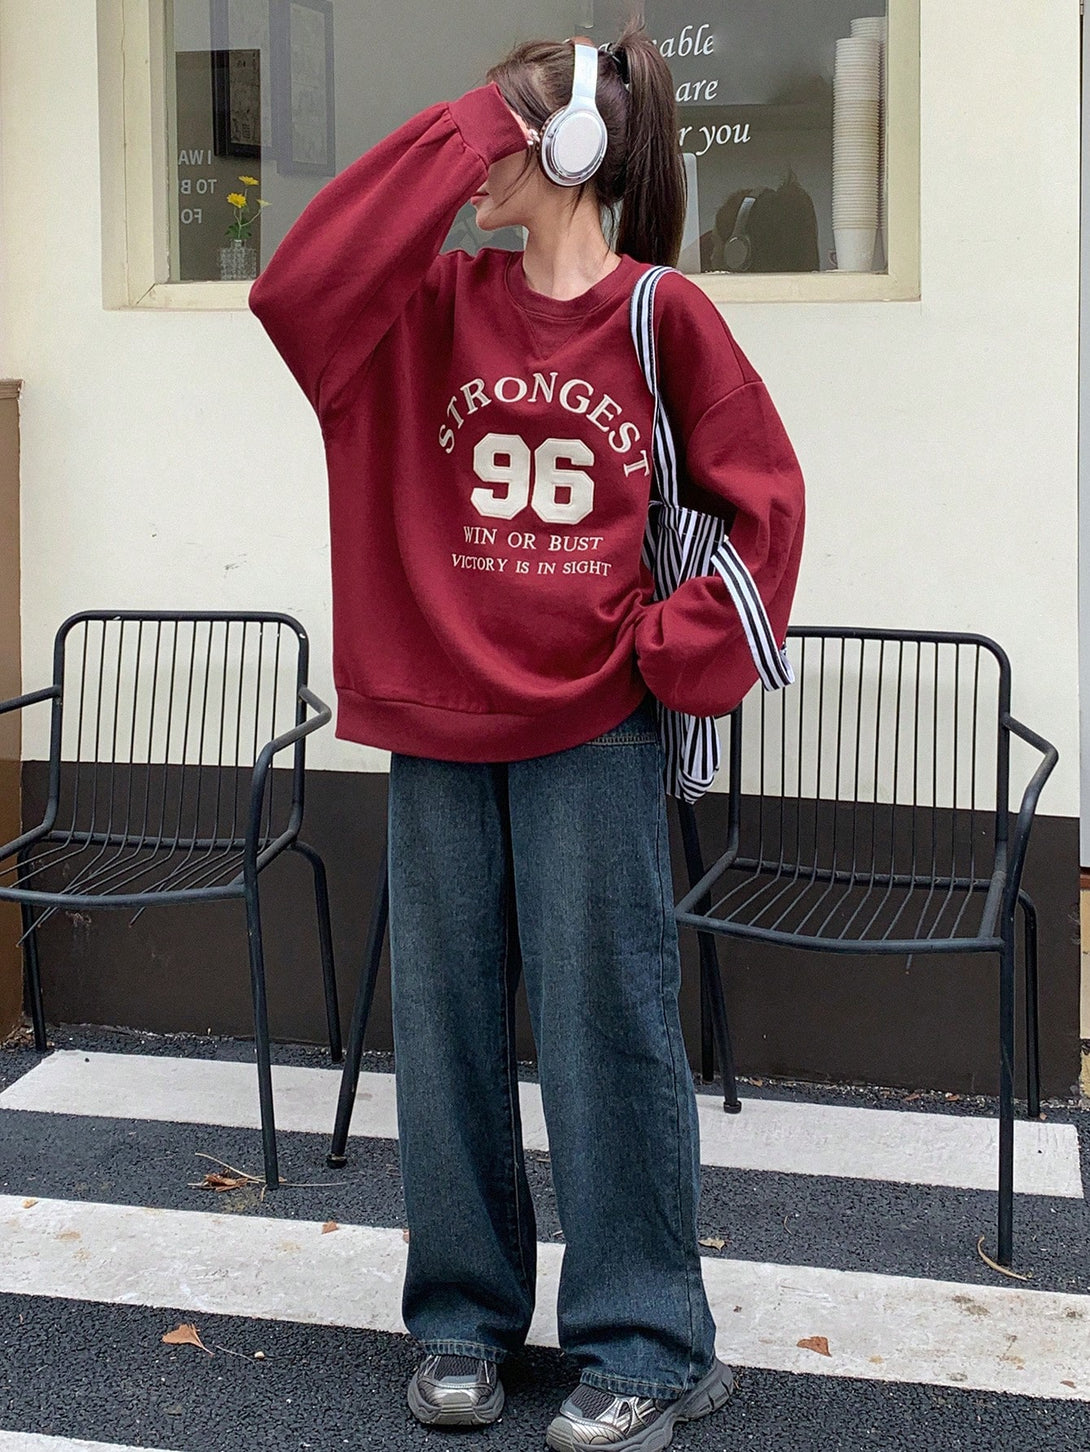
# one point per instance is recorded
(681, 544)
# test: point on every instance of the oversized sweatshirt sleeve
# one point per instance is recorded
(350, 263)
(738, 463)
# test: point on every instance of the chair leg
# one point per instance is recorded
(361, 1011)
(261, 1035)
(707, 1038)
(1033, 1033)
(711, 983)
(1004, 1239)
(325, 942)
(32, 976)
(709, 972)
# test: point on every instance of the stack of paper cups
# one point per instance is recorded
(877, 27)
(855, 152)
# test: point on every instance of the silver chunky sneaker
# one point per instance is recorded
(594, 1418)
(455, 1391)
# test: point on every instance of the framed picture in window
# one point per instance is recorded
(305, 124)
(241, 75)
(236, 103)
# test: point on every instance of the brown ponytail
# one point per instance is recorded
(653, 192)
(642, 169)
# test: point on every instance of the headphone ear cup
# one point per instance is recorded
(738, 248)
(573, 144)
(737, 252)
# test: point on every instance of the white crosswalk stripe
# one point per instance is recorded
(814, 1139)
(34, 1442)
(887, 1328)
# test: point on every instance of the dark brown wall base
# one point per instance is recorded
(927, 1024)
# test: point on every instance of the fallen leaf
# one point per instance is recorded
(877, 1360)
(185, 1335)
(405, 1234)
(760, 1083)
(28, 1203)
(219, 1183)
(1071, 1384)
(212, 1180)
(952, 1098)
(715, 1242)
(908, 1099)
(330, 1225)
(819, 1344)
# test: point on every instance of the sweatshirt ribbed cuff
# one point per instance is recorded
(487, 126)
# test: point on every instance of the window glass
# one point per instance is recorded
(781, 116)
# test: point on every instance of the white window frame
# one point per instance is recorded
(138, 178)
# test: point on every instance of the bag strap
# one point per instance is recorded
(704, 545)
(642, 320)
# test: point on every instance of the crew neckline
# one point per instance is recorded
(621, 279)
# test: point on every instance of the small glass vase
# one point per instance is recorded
(238, 261)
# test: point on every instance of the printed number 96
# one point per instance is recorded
(539, 482)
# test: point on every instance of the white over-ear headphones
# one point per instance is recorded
(738, 249)
(574, 139)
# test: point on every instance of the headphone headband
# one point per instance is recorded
(584, 86)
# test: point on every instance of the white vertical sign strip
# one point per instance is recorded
(1084, 463)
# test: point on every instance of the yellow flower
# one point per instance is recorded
(236, 199)
(251, 181)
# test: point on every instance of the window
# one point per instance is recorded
(799, 127)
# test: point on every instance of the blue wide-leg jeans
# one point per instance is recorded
(578, 840)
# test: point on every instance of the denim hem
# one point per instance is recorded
(451, 1347)
(632, 1386)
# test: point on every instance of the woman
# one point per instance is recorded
(487, 431)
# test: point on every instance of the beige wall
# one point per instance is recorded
(11, 980)
(169, 459)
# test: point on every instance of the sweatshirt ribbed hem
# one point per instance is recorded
(487, 126)
(444, 735)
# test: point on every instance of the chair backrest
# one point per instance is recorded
(161, 718)
(888, 757)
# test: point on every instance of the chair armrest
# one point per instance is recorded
(1020, 840)
(47, 693)
(259, 779)
(32, 698)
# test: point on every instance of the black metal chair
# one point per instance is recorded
(868, 812)
(164, 731)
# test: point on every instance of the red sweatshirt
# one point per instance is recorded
(488, 457)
